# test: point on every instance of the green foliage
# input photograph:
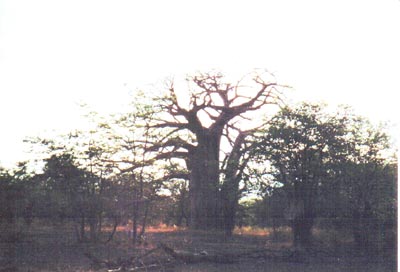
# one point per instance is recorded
(269, 210)
(8, 193)
(336, 166)
(364, 186)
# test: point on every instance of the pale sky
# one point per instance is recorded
(56, 54)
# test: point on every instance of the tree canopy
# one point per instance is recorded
(188, 155)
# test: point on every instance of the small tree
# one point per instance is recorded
(136, 171)
(269, 211)
(75, 194)
(299, 143)
(334, 166)
(366, 180)
(16, 194)
(76, 180)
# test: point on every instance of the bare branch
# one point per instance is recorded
(171, 124)
(176, 142)
(172, 154)
(177, 175)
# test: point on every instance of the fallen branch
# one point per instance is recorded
(98, 263)
(190, 257)
(140, 268)
(134, 263)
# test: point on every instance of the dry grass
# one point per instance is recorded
(149, 229)
(256, 231)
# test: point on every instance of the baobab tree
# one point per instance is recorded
(216, 114)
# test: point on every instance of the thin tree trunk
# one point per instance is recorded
(229, 199)
(230, 188)
(92, 229)
(134, 229)
(116, 222)
(100, 222)
(302, 232)
(146, 211)
(135, 221)
(274, 233)
(82, 231)
(181, 208)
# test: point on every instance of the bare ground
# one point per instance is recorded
(49, 248)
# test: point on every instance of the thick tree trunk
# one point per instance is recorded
(203, 202)
(204, 184)
(301, 215)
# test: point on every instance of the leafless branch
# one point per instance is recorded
(174, 154)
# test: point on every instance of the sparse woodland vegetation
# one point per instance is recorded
(217, 171)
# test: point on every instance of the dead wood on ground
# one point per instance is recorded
(134, 263)
(138, 263)
(203, 256)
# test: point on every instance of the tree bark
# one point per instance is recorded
(229, 198)
(204, 183)
(230, 188)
